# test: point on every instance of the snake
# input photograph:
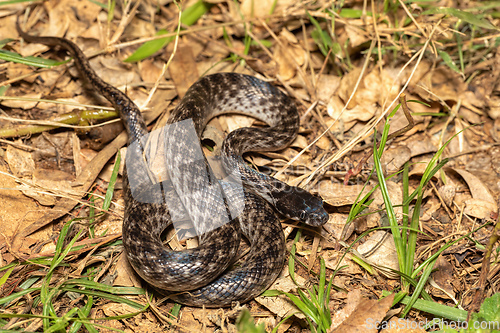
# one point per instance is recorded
(209, 274)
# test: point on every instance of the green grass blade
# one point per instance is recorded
(396, 233)
(104, 287)
(30, 60)
(434, 308)
(112, 182)
(111, 297)
(4, 277)
(448, 61)
(83, 313)
(189, 17)
(470, 18)
(418, 289)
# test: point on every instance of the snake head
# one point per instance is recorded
(300, 205)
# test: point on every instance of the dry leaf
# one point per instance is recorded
(394, 158)
(338, 194)
(289, 55)
(395, 194)
(326, 86)
(183, 69)
(379, 250)
(125, 274)
(366, 317)
(57, 181)
(281, 305)
(20, 161)
(482, 204)
(442, 276)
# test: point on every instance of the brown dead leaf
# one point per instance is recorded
(115, 72)
(395, 193)
(188, 319)
(394, 158)
(379, 250)
(431, 207)
(354, 297)
(58, 145)
(282, 306)
(149, 70)
(420, 144)
(338, 194)
(482, 204)
(419, 166)
(57, 181)
(447, 193)
(183, 69)
(326, 86)
(356, 35)
(251, 8)
(442, 276)
(440, 84)
(288, 54)
(20, 162)
(25, 105)
(117, 309)
(334, 259)
(17, 70)
(362, 112)
(336, 224)
(17, 211)
(365, 317)
(125, 274)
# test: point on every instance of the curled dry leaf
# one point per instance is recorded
(420, 145)
(354, 297)
(374, 90)
(261, 8)
(58, 182)
(16, 212)
(365, 316)
(20, 162)
(338, 194)
(439, 84)
(356, 35)
(281, 305)
(442, 277)
(431, 207)
(326, 86)
(125, 274)
(394, 158)
(447, 193)
(335, 226)
(379, 250)
(335, 259)
(289, 54)
(395, 193)
(482, 204)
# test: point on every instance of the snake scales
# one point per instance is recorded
(201, 276)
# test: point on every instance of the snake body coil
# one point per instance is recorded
(200, 276)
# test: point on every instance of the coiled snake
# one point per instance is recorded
(200, 276)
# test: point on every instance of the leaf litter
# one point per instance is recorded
(343, 66)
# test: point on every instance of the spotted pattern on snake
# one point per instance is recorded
(203, 276)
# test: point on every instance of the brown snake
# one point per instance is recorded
(201, 276)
